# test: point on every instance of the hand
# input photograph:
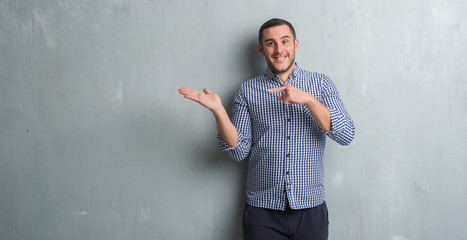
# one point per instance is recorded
(207, 99)
(213, 102)
(292, 95)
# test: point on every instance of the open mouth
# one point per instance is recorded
(280, 58)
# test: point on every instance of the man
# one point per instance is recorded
(281, 118)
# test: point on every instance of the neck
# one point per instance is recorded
(284, 76)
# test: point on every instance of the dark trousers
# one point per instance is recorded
(267, 224)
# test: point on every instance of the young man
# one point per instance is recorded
(281, 118)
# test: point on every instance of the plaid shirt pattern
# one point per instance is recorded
(284, 143)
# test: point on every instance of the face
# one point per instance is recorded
(278, 47)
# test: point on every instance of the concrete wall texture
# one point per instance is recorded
(96, 143)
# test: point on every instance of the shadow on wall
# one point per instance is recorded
(256, 63)
(252, 66)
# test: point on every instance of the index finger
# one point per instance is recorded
(279, 89)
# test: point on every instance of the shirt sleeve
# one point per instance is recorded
(241, 121)
(342, 126)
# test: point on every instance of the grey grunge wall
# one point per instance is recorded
(96, 142)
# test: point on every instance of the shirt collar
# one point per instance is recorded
(293, 75)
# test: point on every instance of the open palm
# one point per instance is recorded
(207, 99)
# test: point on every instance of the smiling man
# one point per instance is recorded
(281, 119)
(278, 44)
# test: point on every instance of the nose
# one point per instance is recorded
(278, 48)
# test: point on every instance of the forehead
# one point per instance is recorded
(277, 32)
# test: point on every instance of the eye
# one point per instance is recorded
(270, 44)
(285, 41)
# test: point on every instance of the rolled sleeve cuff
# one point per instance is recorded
(337, 121)
(342, 128)
(224, 146)
(239, 152)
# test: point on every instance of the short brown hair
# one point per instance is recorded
(272, 23)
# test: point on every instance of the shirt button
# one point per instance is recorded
(288, 155)
(288, 120)
(288, 137)
(287, 172)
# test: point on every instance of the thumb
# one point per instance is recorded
(206, 91)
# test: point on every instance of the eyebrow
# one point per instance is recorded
(270, 39)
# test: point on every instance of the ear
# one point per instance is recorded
(296, 44)
(260, 49)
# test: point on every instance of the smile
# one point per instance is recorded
(280, 58)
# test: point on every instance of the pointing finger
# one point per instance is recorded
(279, 89)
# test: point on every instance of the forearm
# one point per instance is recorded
(226, 129)
(320, 113)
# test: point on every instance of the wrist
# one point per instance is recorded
(311, 101)
(218, 111)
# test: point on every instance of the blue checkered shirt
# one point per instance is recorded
(284, 143)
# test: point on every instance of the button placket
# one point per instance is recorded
(287, 164)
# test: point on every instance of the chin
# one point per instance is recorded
(281, 69)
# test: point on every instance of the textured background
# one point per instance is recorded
(96, 143)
